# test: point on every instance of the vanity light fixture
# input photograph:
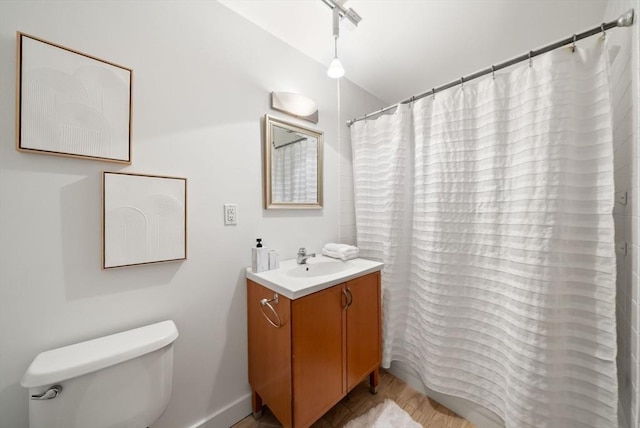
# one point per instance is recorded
(336, 70)
(295, 104)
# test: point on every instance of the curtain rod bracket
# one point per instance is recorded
(626, 19)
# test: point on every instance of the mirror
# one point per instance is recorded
(292, 167)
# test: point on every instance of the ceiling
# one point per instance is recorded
(405, 47)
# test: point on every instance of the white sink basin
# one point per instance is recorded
(293, 280)
(312, 269)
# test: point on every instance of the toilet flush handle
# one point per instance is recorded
(49, 394)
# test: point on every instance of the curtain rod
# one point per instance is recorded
(625, 20)
(287, 144)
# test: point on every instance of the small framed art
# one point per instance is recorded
(144, 219)
(71, 104)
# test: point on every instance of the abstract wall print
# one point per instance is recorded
(144, 219)
(71, 104)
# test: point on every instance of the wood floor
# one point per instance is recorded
(422, 409)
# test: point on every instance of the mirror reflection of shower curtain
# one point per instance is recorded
(295, 172)
(491, 207)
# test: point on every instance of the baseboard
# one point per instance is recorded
(228, 415)
(480, 416)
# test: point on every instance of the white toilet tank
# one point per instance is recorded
(117, 381)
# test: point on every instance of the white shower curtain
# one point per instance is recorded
(491, 208)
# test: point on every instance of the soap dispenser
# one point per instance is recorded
(259, 257)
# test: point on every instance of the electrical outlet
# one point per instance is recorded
(230, 214)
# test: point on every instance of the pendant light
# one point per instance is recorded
(336, 70)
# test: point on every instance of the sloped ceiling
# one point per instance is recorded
(405, 47)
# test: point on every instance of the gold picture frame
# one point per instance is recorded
(69, 103)
(144, 219)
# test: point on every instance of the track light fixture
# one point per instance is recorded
(336, 70)
(350, 14)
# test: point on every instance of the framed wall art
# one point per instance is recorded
(70, 103)
(144, 219)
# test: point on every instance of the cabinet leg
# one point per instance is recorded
(374, 380)
(256, 405)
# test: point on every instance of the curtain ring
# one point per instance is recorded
(462, 83)
(573, 46)
(493, 72)
(530, 60)
(433, 93)
(604, 33)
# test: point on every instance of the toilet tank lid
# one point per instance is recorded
(81, 358)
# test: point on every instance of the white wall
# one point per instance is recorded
(202, 79)
(625, 73)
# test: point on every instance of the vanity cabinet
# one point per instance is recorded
(315, 349)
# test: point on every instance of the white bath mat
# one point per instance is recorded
(384, 415)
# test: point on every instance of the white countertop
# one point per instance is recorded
(291, 280)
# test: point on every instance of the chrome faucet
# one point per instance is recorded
(303, 256)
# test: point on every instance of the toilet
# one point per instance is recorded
(119, 381)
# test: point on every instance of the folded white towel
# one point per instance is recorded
(341, 248)
(341, 256)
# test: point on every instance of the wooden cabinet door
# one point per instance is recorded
(318, 354)
(270, 352)
(363, 328)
